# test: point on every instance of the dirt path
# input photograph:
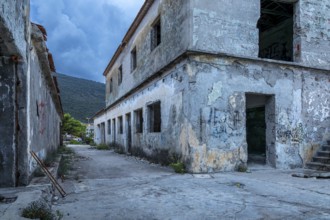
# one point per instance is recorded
(105, 185)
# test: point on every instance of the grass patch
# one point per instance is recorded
(38, 210)
(242, 168)
(102, 147)
(65, 150)
(64, 166)
(74, 142)
(178, 167)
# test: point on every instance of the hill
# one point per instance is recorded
(81, 98)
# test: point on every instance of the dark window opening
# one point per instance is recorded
(37, 109)
(154, 117)
(156, 34)
(138, 115)
(276, 30)
(109, 126)
(120, 75)
(133, 59)
(120, 123)
(110, 86)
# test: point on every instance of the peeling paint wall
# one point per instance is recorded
(302, 100)
(7, 125)
(225, 26)
(313, 32)
(23, 77)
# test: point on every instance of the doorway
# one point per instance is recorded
(128, 132)
(260, 127)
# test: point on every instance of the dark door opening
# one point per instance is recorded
(276, 30)
(114, 130)
(256, 134)
(260, 129)
(129, 132)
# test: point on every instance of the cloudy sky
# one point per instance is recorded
(84, 34)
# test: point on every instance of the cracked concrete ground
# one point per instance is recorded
(105, 185)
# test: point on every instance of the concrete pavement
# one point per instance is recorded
(105, 185)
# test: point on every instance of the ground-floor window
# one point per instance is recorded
(154, 116)
(138, 115)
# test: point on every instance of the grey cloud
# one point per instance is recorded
(82, 34)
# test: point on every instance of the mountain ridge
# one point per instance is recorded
(81, 98)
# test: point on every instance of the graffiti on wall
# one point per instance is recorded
(41, 113)
(294, 134)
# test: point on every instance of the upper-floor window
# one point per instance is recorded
(110, 85)
(156, 34)
(133, 59)
(120, 75)
(276, 30)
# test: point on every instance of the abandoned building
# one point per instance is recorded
(30, 106)
(221, 83)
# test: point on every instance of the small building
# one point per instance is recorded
(30, 105)
(220, 83)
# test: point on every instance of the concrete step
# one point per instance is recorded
(324, 160)
(318, 166)
(326, 148)
(323, 153)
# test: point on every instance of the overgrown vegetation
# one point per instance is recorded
(38, 210)
(74, 142)
(65, 150)
(64, 166)
(178, 167)
(65, 163)
(102, 147)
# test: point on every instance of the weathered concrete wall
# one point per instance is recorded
(14, 38)
(225, 26)
(174, 40)
(215, 130)
(312, 30)
(24, 77)
(14, 20)
(169, 90)
(7, 125)
(44, 118)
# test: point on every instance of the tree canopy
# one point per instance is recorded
(73, 126)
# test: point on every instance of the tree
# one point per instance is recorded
(73, 126)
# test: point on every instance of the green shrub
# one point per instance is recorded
(88, 140)
(102, 147)
(38, 210)
(178, 167)
(74, 142)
